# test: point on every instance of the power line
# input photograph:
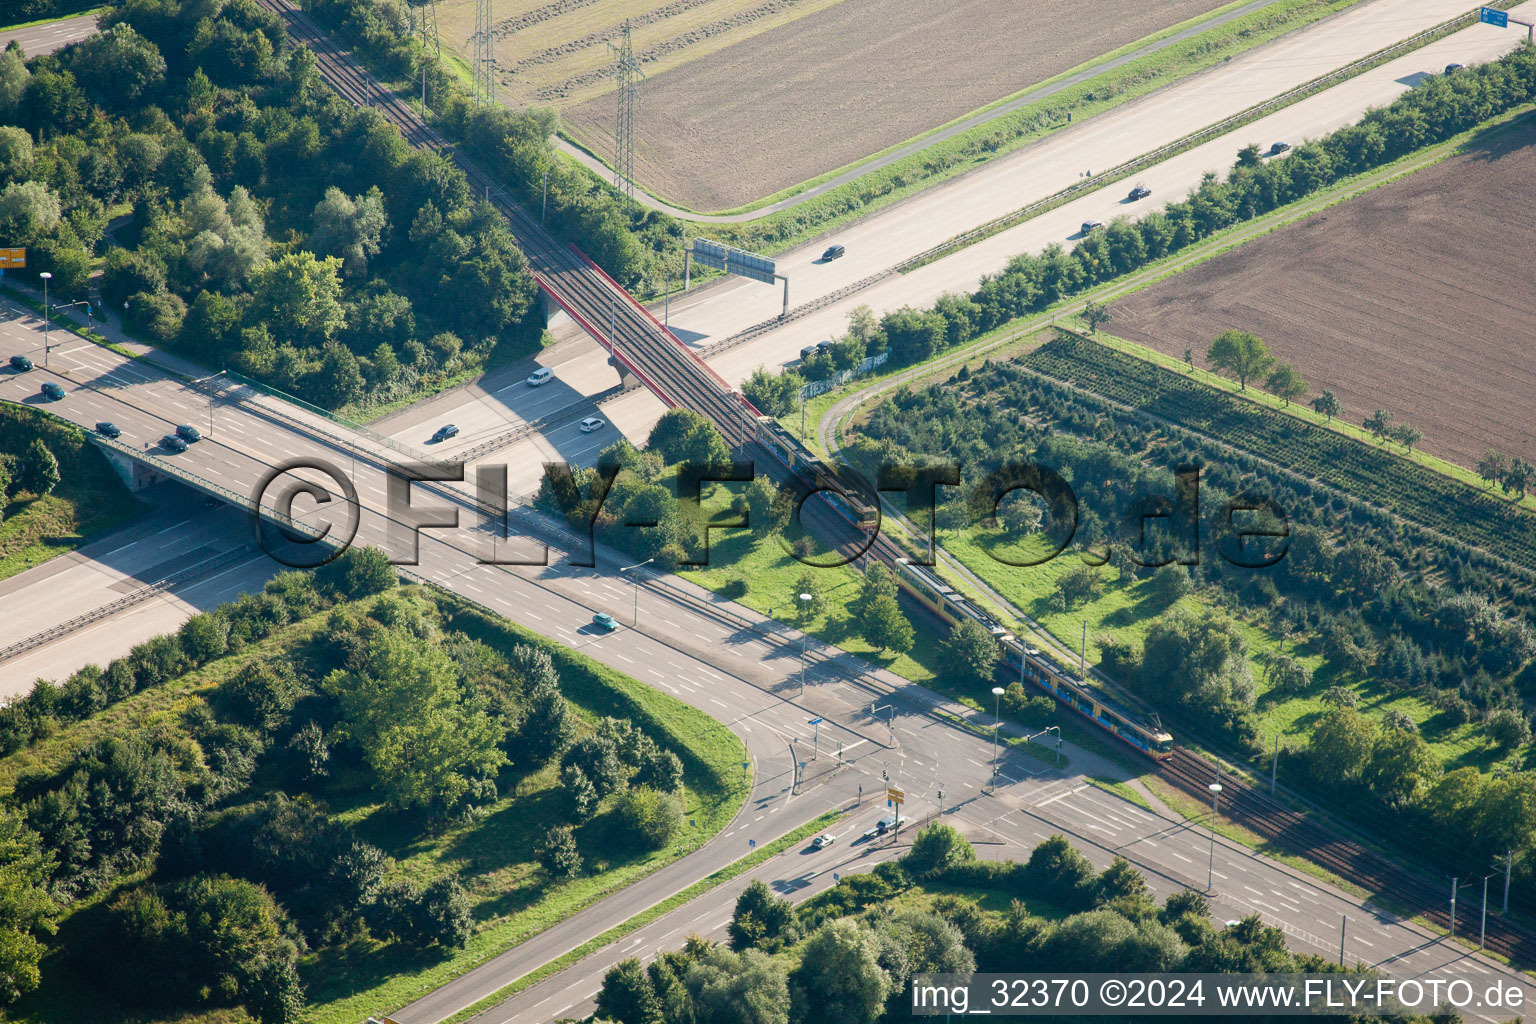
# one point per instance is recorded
(484, 64)
(627, 73)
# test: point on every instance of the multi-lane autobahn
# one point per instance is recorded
(729, 662)
(739, 667)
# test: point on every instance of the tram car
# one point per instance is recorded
(1140, 731)
(805, 464)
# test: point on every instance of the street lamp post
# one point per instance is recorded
(805, 608)
(997, 701)
(636, 580)
(1210, 878)
(46, 276)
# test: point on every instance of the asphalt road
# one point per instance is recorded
(737, 666)
(39, 39)
(999, 187)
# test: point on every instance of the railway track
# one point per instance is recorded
(1296, 833)
(679, 377)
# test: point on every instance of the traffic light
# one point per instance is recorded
(885, 775)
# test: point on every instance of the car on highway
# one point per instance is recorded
(807, 352)
(173, 443)
(21, 364)
(188, 433)
(1090, 226)
(833, 252)
(1139, 192)
(592, 423)
(1451, 69)
(605, 621)
(106, 428)
(543, 375)
(52, 391)
(821, 842)
(444, 432)
(1278, 148)
(882, 826)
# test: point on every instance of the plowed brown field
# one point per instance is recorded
(1416, 297)
(745, 97)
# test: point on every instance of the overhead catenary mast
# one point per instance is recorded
(627, 72)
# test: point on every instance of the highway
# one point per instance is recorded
(735, 665)
(40, 39)
(723, 308)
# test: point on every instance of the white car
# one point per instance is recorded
(822, 842)
(543, 375)
(592, 423)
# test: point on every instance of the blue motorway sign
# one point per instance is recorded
(1490, 16)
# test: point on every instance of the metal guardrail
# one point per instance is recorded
(1123, 170)
(1162, 153)
(128, 600)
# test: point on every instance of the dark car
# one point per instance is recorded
(106, 428)
(444, 432)
(188, 433)
(807, 352)
(1451, 69)
(1278, 148)
(833, 252)
(1139, 192)
(173, 443)
(52, 391)
(21, 364)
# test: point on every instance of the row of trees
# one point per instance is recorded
(847, 956)
(390, 276)
(1437, 109)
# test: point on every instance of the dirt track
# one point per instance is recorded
(1415, 298)
(849, 80)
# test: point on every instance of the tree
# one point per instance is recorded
(430, 744)
(1327, 404)
(936, 847)
(118, 68)
(1285, 382)
(1407, 435)
(971, 651)
(1379, 423)
(1121, 883)
(548, 725)
(627, 995)
(776, 394)
(445, 913)
(1341, 746)
(349, 228)
(1055, 867)
(27, 905)
(1078, 585)
(840, 975)
(737, 988)
(886, 627)
(1402, 768)
(682, 435)
(650, 817)
(557, 853)
(760, 917)
(358, 572)
(15, 154)
(1239, 354)
(1170, 583)
(1518, 477)
(299, 297)
(1249, 156)
(1492, 466)
(1507, 728)
(38, 471)
(1096, 315)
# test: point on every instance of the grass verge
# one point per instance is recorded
(651, 913)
